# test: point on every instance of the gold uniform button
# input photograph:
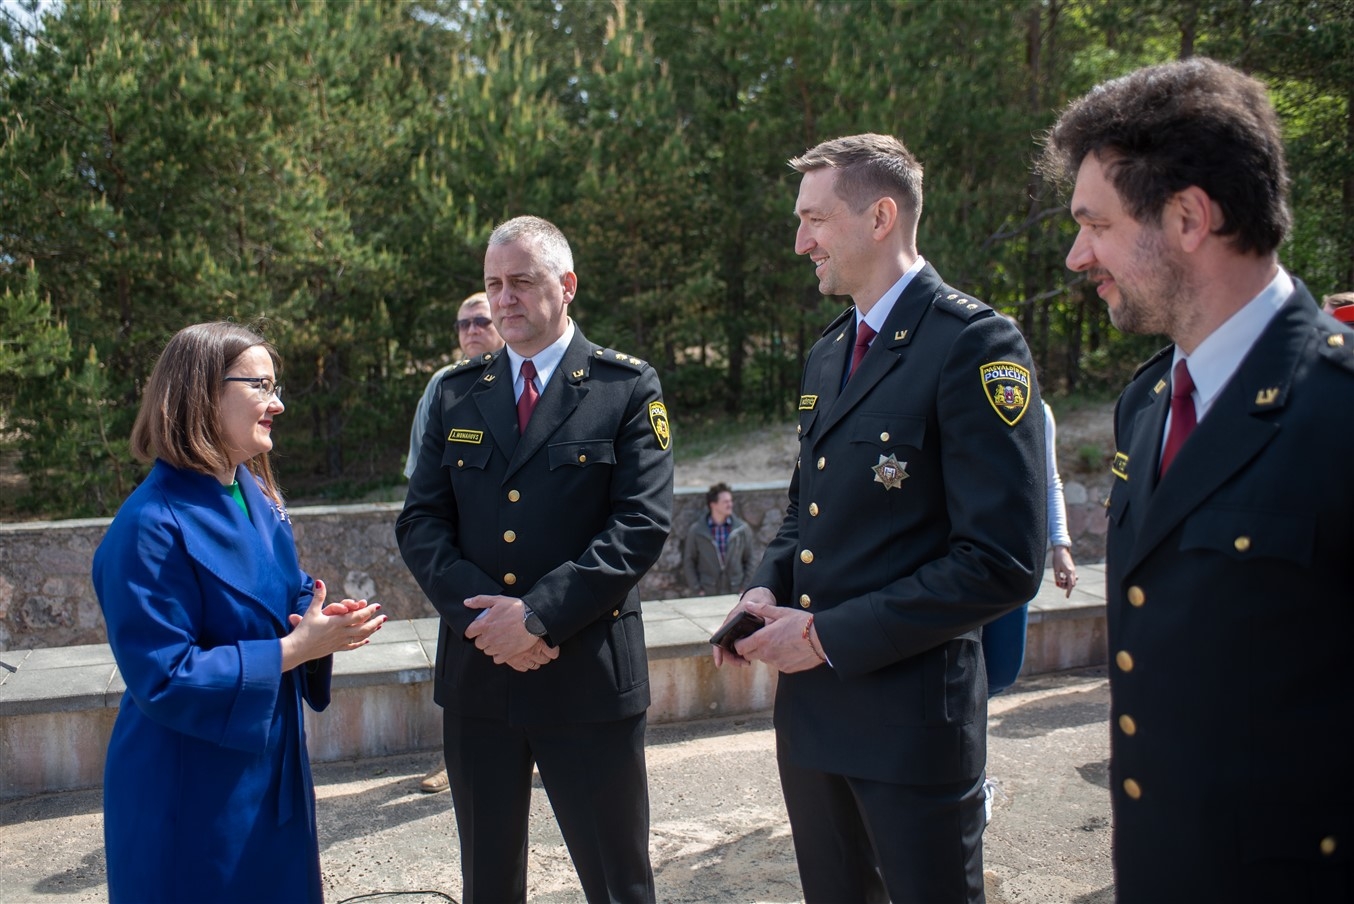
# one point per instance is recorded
(1328, 845)
(799, 430)
(806, 557)
(1123, 660)
(509, 536)
(822, 463)
(615, 613)
(1127, 725)
(1242, 543)
(582, 459)
(804, 601)
(510, 579)
(1136, 597)
(513, 495)
(1132, 789)
(460, 462)
(813, 509)
(884, 437)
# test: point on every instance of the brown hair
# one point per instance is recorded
(1164, 128)
(712, 495)
(869, 166)
(1338, 300)
(179, 420)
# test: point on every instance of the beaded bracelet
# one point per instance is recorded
(807, 627)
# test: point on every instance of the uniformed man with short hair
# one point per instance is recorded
(543, 493)
(917, 514)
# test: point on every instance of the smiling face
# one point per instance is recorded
(837, 241)
(528, 303)
(1137, 272)
(246, 420)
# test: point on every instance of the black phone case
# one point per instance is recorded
(736, 630)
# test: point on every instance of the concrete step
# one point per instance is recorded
(57, 706)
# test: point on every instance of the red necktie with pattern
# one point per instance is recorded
(1182, 414)
(526, 403)
(864, 336)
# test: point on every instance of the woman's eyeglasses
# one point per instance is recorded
(264, 386)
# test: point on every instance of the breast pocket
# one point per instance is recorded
(582, 454)
(1244, 534)
(888, 434)
(466, 456)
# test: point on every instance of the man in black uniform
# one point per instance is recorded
(916, 515)
(542, 494)
(1229, 585)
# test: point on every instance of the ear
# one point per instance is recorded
(885, 216)
(1195, 217)
(570, 282)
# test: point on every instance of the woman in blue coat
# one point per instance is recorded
(219, 636)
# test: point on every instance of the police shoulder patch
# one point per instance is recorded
(1007, 387)
(658, 419)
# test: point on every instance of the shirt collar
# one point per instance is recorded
(1222, 351)
(880, 312)
(546, 360)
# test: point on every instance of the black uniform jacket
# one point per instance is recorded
(1231, 616)
(568, 518)
(916, 515)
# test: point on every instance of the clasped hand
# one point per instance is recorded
(500, 632)
(326, 629)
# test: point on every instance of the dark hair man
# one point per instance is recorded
(543, 493)
(916, 515)
(717, 550)
(1229, 571)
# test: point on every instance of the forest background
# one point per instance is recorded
(335, 168)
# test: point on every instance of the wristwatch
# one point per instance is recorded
(533, 623)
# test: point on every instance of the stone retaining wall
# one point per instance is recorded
(46, 599)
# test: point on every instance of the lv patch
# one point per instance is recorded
(1007, 386)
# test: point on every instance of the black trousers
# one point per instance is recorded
(859, 840)
(595, 777)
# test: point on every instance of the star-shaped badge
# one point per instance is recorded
(890, 472)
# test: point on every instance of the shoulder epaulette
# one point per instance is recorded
(1161, 353)
(839, 321)
(468, 364)
(1336, 346)
(965, 307)
(611, 356)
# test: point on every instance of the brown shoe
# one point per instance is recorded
(435, 781)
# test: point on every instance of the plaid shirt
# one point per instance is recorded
(721, 534)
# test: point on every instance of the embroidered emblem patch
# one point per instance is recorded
(807, 402)
(466, 436)
(890, 472)
(1008, 389)
(1267, 396)
(658, 417)
(1119, 467)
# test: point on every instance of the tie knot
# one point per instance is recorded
(529, 369)
(864, 335)
(1182, 384)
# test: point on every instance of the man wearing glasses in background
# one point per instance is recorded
(477, 337)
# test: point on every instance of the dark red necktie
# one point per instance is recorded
(864, 336)
(1182, 413)
(526, 402)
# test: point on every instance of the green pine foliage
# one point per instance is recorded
(331, 171)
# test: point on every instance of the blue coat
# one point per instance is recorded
(207, 787)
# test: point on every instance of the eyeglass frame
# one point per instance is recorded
(478, 320)
(259, 384)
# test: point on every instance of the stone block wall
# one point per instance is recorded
(47, 600)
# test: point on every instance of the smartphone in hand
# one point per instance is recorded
(745, 624)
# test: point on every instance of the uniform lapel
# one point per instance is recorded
(493, 396)
(564, 392)
(1246, 416)
(885, 352)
